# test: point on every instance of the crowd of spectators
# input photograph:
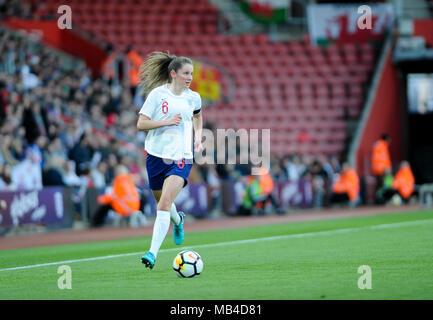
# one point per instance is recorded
(62, 119)
(23, 9)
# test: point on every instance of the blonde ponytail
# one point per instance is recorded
(155, 70)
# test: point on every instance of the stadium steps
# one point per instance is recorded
(238, 20)
(415, 9)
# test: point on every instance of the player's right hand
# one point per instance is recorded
(175, 120)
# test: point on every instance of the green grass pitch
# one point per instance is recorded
(302, 260)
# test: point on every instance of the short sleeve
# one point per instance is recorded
(197, 104)
(149, 105)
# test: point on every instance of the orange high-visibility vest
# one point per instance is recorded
(125, 199)
(134, 67)
(266, 183)
(348, 182)
(107, 66)
(404, 182)
(380, 158)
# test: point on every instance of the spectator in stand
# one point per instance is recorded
(128, 162)
(70, 177)
(29, 79)
(328, 167)
(41, 11)
(210, 177)
(6, 178)
(27, 174)
(81, 153)
(52, 175)
(13, 8)
(404, 181)
(3, 184)
(112, 162)
(335, 163)
(55, 149)
(277, 172)
(3, 100)
(93, 143)
(104, 148)
(380, 160)
(98, 175)
(36, 149)
(294, 167)
(7, 153)
(346, 188)
(320, 180)
(34, 120)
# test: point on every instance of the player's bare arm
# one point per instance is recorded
(198, 127)
(145, 123)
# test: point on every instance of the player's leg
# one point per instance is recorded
(175, 216)
(156, 173)
(149, 258)
(171, 188)
(160, 223)
(155, 164)
(182, 170)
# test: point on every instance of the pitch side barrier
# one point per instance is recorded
(57, 207)
(50, 206)
(198, 201)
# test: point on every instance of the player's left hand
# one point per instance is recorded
(198, 147)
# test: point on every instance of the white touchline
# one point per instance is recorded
(219, 244)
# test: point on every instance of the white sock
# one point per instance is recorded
(175, 217)
(160, 229)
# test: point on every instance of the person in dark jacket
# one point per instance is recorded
(53, 172)
(81, 153)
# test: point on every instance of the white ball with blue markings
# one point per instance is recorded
(188, 264)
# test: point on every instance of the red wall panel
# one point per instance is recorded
(424, 28)
(384, 117)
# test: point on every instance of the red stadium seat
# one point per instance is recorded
(338, 90)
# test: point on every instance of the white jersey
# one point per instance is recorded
(171, 142)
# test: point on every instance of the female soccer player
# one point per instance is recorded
(169, 114)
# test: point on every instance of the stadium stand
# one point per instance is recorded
(305, 94)
(313, 89)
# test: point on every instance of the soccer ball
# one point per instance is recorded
(188, 264)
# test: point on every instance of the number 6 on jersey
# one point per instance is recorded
(165, 107)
